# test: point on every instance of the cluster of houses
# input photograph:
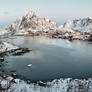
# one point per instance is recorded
(72, 35)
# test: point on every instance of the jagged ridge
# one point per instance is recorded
(31, 24)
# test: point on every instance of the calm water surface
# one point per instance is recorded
(50, 59)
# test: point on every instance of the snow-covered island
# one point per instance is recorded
(31, 24)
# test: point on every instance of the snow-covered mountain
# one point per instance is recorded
(30, 23)
(79, 25)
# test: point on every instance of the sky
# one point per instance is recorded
(56, 10)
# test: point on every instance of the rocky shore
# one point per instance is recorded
(9, 49)
(72, 35)
(11, 84)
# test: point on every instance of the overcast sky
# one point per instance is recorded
(57, 10)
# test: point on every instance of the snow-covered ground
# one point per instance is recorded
(60, 85)
(4, 46)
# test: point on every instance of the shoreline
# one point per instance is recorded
(9, 84)
(52, 36)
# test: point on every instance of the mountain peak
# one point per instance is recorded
(31, 24)
(31, 14)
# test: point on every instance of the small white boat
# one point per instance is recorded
(29, 65)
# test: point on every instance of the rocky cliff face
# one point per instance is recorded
(79, 25)
(32, 24)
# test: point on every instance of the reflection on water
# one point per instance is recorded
(30, 40)
(33, 53)
(51, 58)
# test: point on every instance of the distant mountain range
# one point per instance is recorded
(31, 24)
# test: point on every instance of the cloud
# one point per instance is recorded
(4, 13)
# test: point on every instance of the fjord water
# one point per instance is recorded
(50, 59)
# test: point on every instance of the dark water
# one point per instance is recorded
(51, 58)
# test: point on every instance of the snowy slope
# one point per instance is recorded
(81, 25)
(30, 23)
